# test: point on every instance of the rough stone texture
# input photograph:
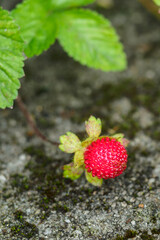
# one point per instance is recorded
(36, 202)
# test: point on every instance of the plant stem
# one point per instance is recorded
(31, 122)
(151, 7)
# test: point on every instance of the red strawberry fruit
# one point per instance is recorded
(105, 158)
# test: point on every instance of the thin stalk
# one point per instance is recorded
(151, 7)
(31, 121)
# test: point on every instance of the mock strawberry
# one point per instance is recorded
(99, 157)
(105, 158)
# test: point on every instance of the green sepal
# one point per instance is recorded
(93, 127)
(120, 138)
(71, 172)
(93, 180)
(78, 158)
(70, 143)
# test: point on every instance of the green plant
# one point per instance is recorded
(157, 2)
(33, 26)
(100, 157)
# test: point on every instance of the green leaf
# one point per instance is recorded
(37, 25)
(70, 143)
(93, 127)
(157, 2)
(37, 21)
(93, 180)
(71, 172)
(90, 39)
(11, 59)
(64, 4)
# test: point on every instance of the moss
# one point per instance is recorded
(74, 201)
(18, 214)
(23, 228)
(80, 198)
(46, 200)
(61, 208)
(153, 219)
(6, 195)
(146, 236)
(20, 182)
(130, 234)
(118, 237)
(90, 191)
(37, 152)
(44, 216)
(155, 231)
(142, 95)
(46, 181)
(156, 135)
(106, 207)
